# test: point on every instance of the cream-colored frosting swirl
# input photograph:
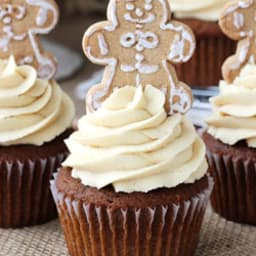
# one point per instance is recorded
(208, 10)
(234, 117)
(32, 111)
(131, 143)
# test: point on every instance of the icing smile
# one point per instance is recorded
(148, 19)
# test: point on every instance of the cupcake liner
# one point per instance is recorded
(204, 69)
(99, 230)
(25, 198)
(234, 194)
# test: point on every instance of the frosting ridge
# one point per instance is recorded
(31, 109)
(131, 143)
(234, 110)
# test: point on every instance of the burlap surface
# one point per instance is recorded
(218, 238)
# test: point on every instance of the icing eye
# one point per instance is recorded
(128, 40)
(130, 7)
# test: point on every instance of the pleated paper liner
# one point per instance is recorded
(25, 197)
(171, 229)
(204, 69)
(234, 194)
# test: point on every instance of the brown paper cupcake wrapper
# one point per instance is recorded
(234, 194)
(204, 69)
(164, 230)
(25, 197)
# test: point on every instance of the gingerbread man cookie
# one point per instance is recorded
(238, 21)
(20, 23)
(138, 44)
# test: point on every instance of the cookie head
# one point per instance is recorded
(139, 13)
(238, 21)
(21, 21)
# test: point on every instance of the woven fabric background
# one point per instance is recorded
(218, 238)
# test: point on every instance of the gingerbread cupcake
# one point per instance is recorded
(136, 180)
(35, 114)
(231, 136)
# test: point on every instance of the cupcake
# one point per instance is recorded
(213, 47)
(231, 143)
(35, 118)
(35, 114)
(231, 135)
(135, 182)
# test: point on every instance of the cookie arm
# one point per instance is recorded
(233, 65)
(47, 16)
(95, 44)
(183, 45)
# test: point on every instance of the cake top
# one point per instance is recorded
(21, 23)
(138, 45)
(238, 22)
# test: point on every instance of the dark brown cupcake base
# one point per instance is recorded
(102, 222)
(213, 47)
(234, 171)
(25, 173)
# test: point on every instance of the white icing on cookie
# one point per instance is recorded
(177, 51)
(139, 66)
(8, 36)
(139, 12)
(103, 45)
(128, 40)
(26, 60)
(238, 20)
(9, 12)
(241, 4)
(130, 7)
(184, 103)
(149, 19)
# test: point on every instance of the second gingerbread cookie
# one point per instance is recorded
(20, 23)
(138, 44)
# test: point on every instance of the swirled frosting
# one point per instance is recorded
(32, 111)
(234, 110)
(131, 143)
(208, 10)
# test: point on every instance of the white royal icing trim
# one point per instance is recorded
(185, 100)
(177, 49)
(103, 45)
(238, 20)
